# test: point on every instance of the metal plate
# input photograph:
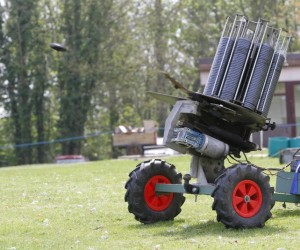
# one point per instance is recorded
(284, 182)
(178, 188)
(232, 112)
(216, 107)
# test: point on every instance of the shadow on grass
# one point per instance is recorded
(180, 229)
(287, 212)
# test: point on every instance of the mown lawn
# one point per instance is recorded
(81, 206)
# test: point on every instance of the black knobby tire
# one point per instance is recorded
(243, 197)
(147, 206)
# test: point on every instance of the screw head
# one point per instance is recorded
(247, 198)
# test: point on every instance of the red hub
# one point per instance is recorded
(247, 198)
(154, 201)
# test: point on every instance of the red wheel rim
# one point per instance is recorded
(154, 201)
(247, 198)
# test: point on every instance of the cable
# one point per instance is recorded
(74, 138)
(239, 161)
(262, 169)
(54, 141)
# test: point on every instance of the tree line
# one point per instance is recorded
(116, 50)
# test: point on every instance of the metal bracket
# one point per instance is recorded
(179, 188)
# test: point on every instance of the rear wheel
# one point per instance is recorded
(243, 197)
(146, 205)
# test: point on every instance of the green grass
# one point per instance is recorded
(81, 206)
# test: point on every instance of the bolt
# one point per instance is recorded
(187, 177)
(247, 198)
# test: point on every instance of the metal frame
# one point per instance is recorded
(265, 82)
(281, 49)
(254, 36)
(260, 40)
(209, 189)
(242, 26)
(237, 29)
(179, 188)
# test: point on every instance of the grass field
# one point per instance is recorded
(81, 206)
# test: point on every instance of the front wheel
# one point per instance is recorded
(243, 197)
(143, 202)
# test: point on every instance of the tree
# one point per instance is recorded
(90, 64)
(25, 78)
(39, 72)
(18, 75)
(116, 52)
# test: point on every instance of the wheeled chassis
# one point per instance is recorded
(216, 124)
(235, 125)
